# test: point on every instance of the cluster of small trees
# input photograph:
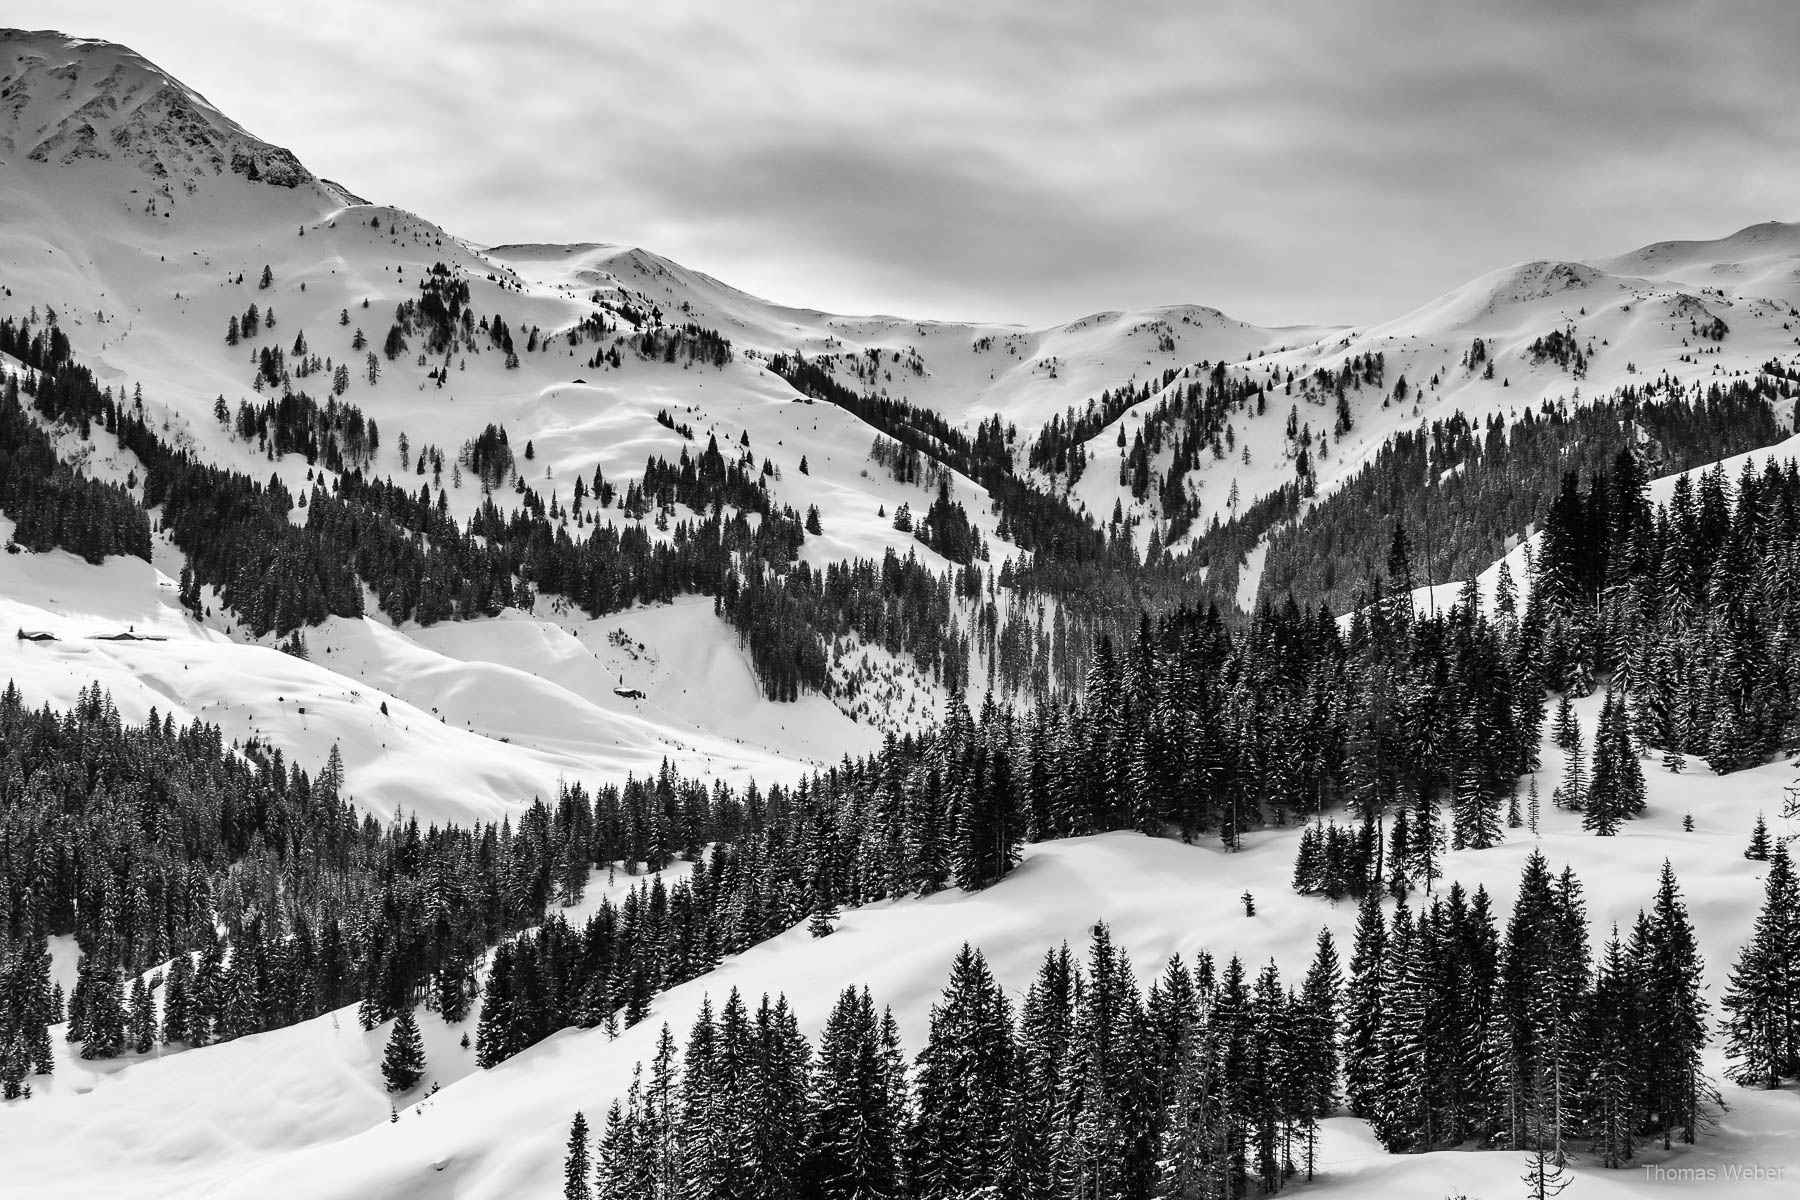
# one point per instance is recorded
(335, 433)
(686, 343)
(1563, 347)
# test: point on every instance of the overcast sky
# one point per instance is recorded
(1033, 161)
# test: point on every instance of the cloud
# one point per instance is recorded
(1310, 161)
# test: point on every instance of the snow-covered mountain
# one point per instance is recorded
(70, 101)
(147, 221)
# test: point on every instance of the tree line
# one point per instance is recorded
(1446, 1032)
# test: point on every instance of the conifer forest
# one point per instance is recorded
(493, 719)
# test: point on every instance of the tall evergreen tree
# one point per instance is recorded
(1675, 1015)
(1762, 998)
(854, 1149)
(962, 1145)
(403, 1061)
(1614, 1035)
(1363, 1008)
(1314, 1052)
(1617, 789)
(577, 1163)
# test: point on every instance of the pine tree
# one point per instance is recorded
(963, 1137)
(853, 1152)
(1614, 1037)
(774, 1107)
(1668, 962)
(1758, 849)
(1315, 1056)
(403, 1062)
(1543, 978)
(1364, 1003)
(1762, 998)
(177, 1000)
(1572, 791)
(1046, 1026)
(103, 1023)
(706, 1142)
(1617, 789)
(141, 1021)
(577, 1164)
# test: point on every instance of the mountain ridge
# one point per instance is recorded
(67, 100)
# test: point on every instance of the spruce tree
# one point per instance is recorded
(1401, 1111)
(1614, 1036)
(1617, 789)
(403, 1062)
(1364, 1004)
(15, 1066)
(104, 1010)
(962, 1140)
(577, 1163)
(853, 1151)
(1572, 791)
(1762, 998)
(1046, 1108)
(1675, 1014)
(1190, 1164)
(774, 1107)
(1315, 1055)
(1603, 806)
(1267, 1081)
(141, 1021)
(1758, 849)
(1546, 1172)
(1543, 977)
(658, 1131)
(705, 1143)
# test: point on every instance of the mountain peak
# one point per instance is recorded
(67, 100)
(1769, 242)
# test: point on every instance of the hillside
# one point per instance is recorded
(375, 602)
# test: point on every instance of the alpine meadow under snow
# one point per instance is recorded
(449, 688)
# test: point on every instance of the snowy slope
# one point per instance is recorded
(1634, 316)
(481, 716)
(145, 252)
(307, 1118)
(144, 217)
